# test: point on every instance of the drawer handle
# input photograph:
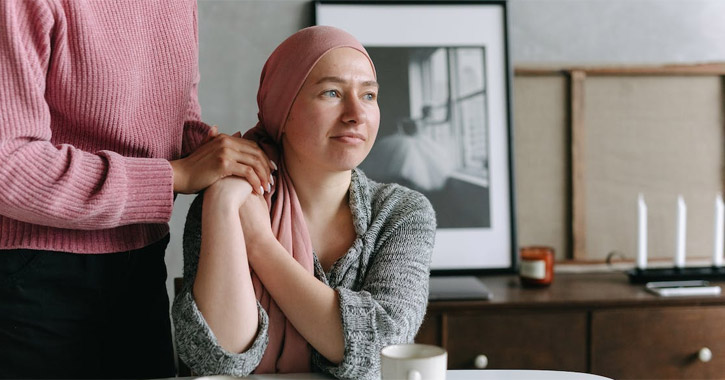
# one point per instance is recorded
(705, 355)
(481, 361)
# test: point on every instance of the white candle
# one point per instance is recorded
(718, 246)
(681, 232)
(641, 233)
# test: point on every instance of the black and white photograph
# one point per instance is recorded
(445, 125)
(433, 134)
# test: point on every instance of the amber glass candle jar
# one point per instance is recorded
(537, 266)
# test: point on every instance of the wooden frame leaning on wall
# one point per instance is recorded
(579, 156)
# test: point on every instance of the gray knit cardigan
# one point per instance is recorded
(382, 282)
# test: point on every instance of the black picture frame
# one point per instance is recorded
(453, 57)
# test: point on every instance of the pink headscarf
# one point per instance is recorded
(282, 77)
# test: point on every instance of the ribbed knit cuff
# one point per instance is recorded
(361, 358)
(150, 191)
(200, 349)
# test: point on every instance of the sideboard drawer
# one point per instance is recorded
(659, 343)
(518, 340)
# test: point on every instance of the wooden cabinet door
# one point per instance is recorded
(430, 330)
(518, 340)
(658, 343)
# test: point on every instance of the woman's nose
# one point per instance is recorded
(354, 112)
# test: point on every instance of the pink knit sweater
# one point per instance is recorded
(95, 98)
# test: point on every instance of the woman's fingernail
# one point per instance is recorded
(271, 179)
(274, 166)
(269, 187)
(261, 190)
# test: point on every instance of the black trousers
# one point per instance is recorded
(66, 315)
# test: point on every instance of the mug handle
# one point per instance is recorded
(414, 375)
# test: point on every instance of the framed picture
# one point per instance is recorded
(445, 126)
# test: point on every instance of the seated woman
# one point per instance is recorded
(328, 266)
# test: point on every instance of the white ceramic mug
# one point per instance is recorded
(413, 362)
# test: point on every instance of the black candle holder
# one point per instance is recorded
(641, 276)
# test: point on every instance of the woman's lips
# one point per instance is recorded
(350, 138)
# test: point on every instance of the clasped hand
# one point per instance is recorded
(236, 193)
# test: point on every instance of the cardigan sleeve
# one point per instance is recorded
(60, 185)
(196, 343)
(391, 303)
(194, 129)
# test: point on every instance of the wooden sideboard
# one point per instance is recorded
(594, 322)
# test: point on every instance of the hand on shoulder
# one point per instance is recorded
(222, 156)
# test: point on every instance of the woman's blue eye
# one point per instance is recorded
(369, 96)
(331, 93)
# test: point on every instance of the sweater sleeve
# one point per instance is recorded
(390, 306)
(194, 129)
(197, 345)
(59, 185)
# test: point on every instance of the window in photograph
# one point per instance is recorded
(434, 129)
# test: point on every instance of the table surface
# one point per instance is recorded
(481, 374)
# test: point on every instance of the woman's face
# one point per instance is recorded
(334, 119)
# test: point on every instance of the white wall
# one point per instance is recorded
(236, 36)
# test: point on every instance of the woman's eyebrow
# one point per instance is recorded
(367, 83)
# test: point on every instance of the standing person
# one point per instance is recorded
(331, 266)
(99, 128)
